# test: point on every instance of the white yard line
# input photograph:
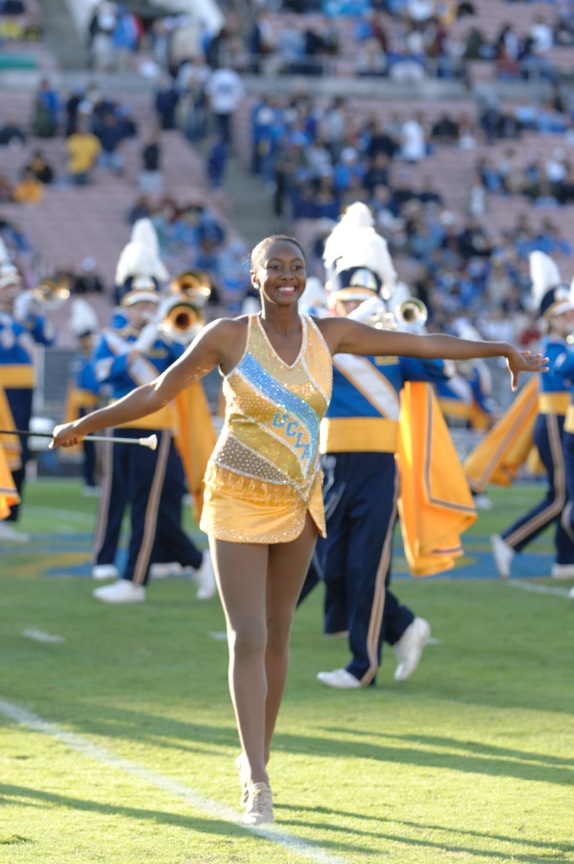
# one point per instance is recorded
(537, 589)
(41, 635)
(52, 513)
(87, 748)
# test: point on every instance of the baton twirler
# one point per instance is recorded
(150, 441)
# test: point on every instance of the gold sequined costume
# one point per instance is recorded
(264, 473)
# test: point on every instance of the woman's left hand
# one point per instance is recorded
(524, 361)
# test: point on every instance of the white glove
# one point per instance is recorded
(24, 306)
(146, 339)
(7, 338)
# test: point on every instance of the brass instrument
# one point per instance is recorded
(50, 293)
(179, 319)
(194, 284)
(412, 314)
(47, 294)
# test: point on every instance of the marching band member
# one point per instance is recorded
(83, 393)
(358, 442)
(553, 432)
(22, 326)
(151, 482)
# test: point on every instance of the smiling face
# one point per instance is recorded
(278, 272)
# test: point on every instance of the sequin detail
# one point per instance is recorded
(267, 457)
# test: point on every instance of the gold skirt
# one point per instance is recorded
(239, 516)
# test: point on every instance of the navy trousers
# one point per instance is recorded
(152, 484)
(354, 561)
(549, 439)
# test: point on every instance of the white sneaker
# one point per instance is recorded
(259, 808)
(205, 579)
(165, 570)
(409, 648)
(340, 679)
(91, 491)
(571, 594)
(483, 502)
(122, 591)
(10, 535)
(105, 571)
(503, 555)
(562, 571)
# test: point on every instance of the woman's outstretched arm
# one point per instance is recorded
(205, 352)
(351, 337)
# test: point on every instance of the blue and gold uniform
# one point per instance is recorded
(151, 482)
(18, 375)
(359, 438)
(554, 427)
(553, 401)
(84, 396)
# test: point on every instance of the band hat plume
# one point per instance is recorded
(143, 231)
(140, 268)
(83, 318)
(550, 295)
(8, 271)
(356, 258)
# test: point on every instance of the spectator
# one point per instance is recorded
(41, 169)
(413, 143)
(225, 91)
(11, 132)
(110, 135)
(151, 177)
(45, 109)
(216, 160)
(83, 150)
(141, 209)
(371, 60)
(6, 190)
(125, 37)
(88, 280)
(166, 99)
(101, 53)
(191, 109)
(29, 190)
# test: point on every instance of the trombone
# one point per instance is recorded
(411, 314)
(179, 319)
(50, 293)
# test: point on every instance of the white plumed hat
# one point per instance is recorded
(356, 257)
(550, 296)
(140, 258)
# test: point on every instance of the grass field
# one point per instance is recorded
(118, 742)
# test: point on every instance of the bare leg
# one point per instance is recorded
(259, 586)
(288, 566)
(241, 574)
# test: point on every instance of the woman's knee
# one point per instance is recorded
(248, 640)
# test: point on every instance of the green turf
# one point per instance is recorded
(469, 760)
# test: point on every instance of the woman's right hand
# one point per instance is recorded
(65, 435)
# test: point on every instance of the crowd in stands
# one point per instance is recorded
(403, 39)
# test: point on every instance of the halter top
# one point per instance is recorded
(268, 452)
